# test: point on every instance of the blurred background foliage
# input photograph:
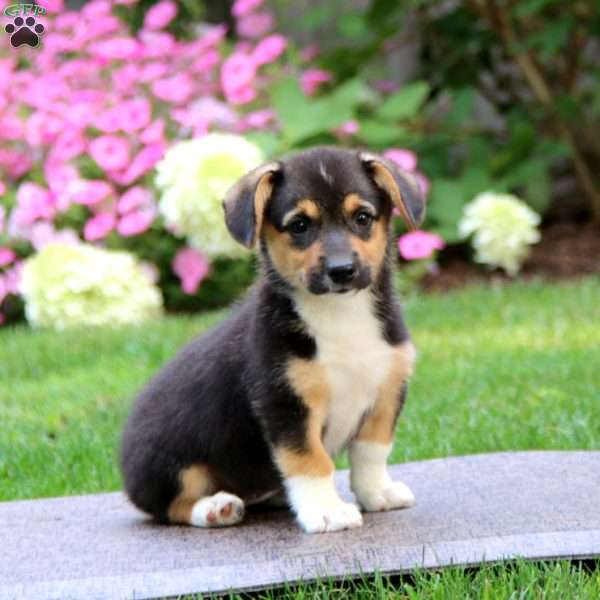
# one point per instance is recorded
(499, 95)
(491, 94)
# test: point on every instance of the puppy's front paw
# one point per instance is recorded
(394, 495)
(338, 516)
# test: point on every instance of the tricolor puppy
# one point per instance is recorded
(315, 360)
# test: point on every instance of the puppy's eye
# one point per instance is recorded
(299, 225)
(363, 218)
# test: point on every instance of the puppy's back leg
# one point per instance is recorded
(201, 505)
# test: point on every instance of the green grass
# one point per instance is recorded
(517, 581)
(503, 368)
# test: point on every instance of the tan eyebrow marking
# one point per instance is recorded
(352, 202)
(306, 207)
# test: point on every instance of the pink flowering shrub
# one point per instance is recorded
(86, 116)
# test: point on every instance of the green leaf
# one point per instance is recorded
(537, 192)
(405, 103)
(316, 17)
(446, 201)
(552, 38)
(379, 135)
(267, 141)
(462, 107)
(352, 25)
(302, 118)
(526, 8)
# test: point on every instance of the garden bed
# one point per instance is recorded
(567, 250)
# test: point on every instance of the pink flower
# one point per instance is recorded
(191, 267)
(12, 279)
(419, 244)
(255, 25)
(111, 152)
(3, 294)
(269, 49)
(134, 198)
(135, 114)
(155, 132)
(243, 7)
(42, 128)
(125, 77)
(152, 71)
(67, 146)
(206, 62)
(33, 202)
(96, 8)
(89, 191)
(176, 89)
(68, 20)
(6, 256)
(311, 79)
(157, 44)
(241, 95)
(160, 15)
(11, 127)
(109, 121)
(310, 52)
(142, 163)
(117, 48)
(349, 128)
(15, 163)
(52, 6)
(102, 26)
(237, 73)
(98, 227)
(405, 159)
(59, 176)
(42, 234)
(259, 118)
(136, 222)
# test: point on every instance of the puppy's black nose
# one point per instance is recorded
(341, 273)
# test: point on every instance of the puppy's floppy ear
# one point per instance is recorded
(246, 201)
(402, 188)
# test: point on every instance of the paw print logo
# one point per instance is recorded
(24, 31)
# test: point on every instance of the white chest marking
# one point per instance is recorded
(354, 354)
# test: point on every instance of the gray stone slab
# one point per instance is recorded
(469, 509)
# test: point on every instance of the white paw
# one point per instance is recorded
(338, 516)
(395, 495)
(220, 510)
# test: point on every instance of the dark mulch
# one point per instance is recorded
(566, 251)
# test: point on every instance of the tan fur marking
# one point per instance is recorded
(373, 249)
(352, 202)
(263, 192)
(385, 180)
(379, 423)
(196, 483)
(309, 381)
(310, 208)
(306, 207)
(293, 264)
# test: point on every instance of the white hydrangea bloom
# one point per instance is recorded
(503, 227)
(65, 285)
(195, 176)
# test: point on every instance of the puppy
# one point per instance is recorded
(315, 360)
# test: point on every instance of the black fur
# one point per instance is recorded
(224, 401)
